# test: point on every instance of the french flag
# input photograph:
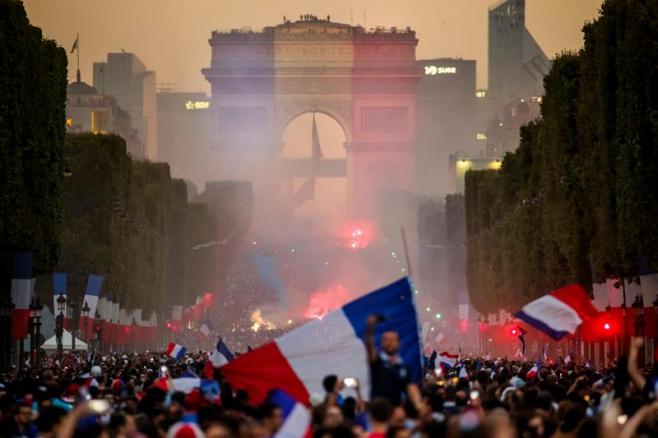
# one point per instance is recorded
(204, 331)
(448, 360)
(221, 356)
(22, 284)
(296, 416)
(298, 361)
(94, 283)
(532, 372)
(560, 312)
(175, 351)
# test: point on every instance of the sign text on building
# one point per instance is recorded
(432, 70)
(197, 104)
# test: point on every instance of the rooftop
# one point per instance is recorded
(80, 87)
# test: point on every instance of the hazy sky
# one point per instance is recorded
(171, 36)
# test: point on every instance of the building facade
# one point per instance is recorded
(445, 119)
(87, 110)
(125, 77)
(365, 80)
(517, 65)
(184, 134)
(459, 164)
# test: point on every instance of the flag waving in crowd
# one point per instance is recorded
(175, 351)
(560, 312)
(221, 356)
(448, 360)
(297, 361)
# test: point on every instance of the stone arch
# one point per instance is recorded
(364, 80)
(293, 111)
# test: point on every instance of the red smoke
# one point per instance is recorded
(323, 301)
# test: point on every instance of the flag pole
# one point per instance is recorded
(406, 250)
(78, 50)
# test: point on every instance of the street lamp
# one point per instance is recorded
(134, 324)
(98, 328)
(5, 327)
(35, 331)
(85, 321)
(59, 324)
(61, 303)
(74, 323)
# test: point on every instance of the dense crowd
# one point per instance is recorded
(121, 395)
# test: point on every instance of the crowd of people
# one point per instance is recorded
(122, 395)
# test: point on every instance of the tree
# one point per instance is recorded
(32, 100)
(578, 195)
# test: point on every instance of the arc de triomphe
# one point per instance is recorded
(365, 80)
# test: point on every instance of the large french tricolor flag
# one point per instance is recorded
(175, 351)
(560, 312)
(22, 284)
(298, 361)
(94, 283)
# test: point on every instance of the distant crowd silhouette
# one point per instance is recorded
(309, 17)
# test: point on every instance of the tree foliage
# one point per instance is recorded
(577, 201)
(32, 100)
(131, 222)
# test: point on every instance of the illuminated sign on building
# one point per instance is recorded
(197, 104)
(480, 94)
(481, 136)
(432, 70)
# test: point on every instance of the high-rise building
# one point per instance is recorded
(125, 77)
(184, 134)
(517, 65)
(445, 119)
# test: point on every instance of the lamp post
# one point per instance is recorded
(5, 327)
(98, 329)
(85, 320)
(59, 324)
(134, 325)
(75, 318)
(35, 331)
(638, 305)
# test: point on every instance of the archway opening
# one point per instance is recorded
(313, 176)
